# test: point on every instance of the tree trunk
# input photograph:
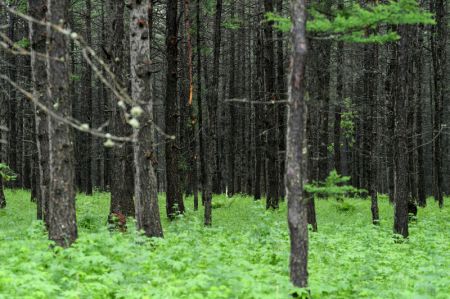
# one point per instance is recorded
(121, 165)
(37, 10)
(63, 226)
(201, 110)
(13, 112)
(439, 58)
(86, 106)
(146, 195)
(400, 130)
(174, 197)
(370, 134)
(211, 127)
(259, 111)
(272, 114)
(297, 150)
(232, 110)
(421, 195)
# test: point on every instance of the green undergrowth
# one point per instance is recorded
(244, 255)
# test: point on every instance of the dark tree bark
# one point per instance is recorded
(174, 197)
(439, 58)
(297, 150)
(259, 125)
(3, 142)
(272, 114)
(281, 91)
(211, 127)
(37, 10)
(232, 110)
(391, 94)
(12, 111)
(201, 110)
(121, 165)
(370, 92)
(86, 106)
(340, 100)
(2, 195)
(146, 196)
(191, 117)
(400, 133)
(421, 193)
(62, 222)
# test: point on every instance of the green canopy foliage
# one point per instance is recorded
(357, 23)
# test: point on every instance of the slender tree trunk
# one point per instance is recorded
(37, 10)
(13, 112)
(63, 226)
(146, 196)
(192, 139)
(232, 110)
(439, 58)
(259, 111)
(281, 90)
(201, 113)
(86, 115)
(272, 114)
(120, 164)
(370, 92)
(400, 130)
(421, 195)
(174, 197)
(391, 94)
(340, 100)
(213, 96)
(297, 150)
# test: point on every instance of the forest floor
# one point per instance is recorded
(244, 255)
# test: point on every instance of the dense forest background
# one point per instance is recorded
(191, 98)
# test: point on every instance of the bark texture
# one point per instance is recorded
(121, 164)
(62, 222)
(174, 197)
(146, 196)
(297, 150)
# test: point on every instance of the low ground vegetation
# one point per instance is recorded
(244, 255)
